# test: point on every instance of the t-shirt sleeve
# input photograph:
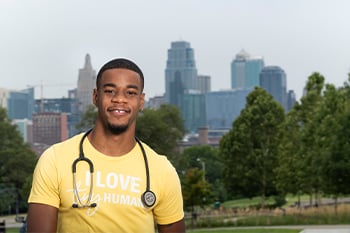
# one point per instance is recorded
(170, 206)
(45, 181)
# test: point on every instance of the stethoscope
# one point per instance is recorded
(148, 198)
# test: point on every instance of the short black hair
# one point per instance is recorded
(120, 63)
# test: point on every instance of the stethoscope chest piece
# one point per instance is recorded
(148, 198)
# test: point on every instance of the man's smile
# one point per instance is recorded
(119, 111)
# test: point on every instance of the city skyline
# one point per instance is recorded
(46, 42)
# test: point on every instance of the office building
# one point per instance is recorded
(86, 84)
(155, 102)
(291, 99)
(245, 70)
(193, 111)
(204, 83)
(273, 80)
(205, 136)
(49, 128)
(180, 73)
(61, 105)
(223, 107)
(25, 127)
(20, 104)
(3, 97)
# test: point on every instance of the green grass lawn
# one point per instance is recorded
(12, 230)
(245, 202)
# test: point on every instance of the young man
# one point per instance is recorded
(106, 180)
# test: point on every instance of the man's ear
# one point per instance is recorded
(94, 97)
(142, 102)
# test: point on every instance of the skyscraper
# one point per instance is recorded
(194, 112)
(204, 83)
(245, 70)
(25, 127)
(4, 93)
(20, 104)
(291, 99)
(86, 83)
(180, 73)
(273, 80)
(223, 107)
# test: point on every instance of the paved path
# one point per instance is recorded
(11, 221)
(326, 231)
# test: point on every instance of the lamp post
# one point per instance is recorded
(203, 167)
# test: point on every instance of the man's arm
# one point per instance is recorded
(41, 218)
(176, 227)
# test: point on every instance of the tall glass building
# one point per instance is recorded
(24, 126)
(180, 73)
(20, 104)
(245, 70)
(204, 83)
(223, 107)
(273, 80)
(194, 112)
(291, 99)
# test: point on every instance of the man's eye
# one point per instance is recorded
(108, 91)
(131, 92)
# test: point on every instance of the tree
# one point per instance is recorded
(249, 150)
(333, 137)
(288, 177)
(207, 159)
(17, 160)
(195, 190)
(161, 129)
(88, 119)
(310, 149)
(299, 169)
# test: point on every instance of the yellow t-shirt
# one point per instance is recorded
(118, 183)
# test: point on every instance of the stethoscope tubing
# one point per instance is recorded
(148, 197)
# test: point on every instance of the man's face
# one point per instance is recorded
(119, 98)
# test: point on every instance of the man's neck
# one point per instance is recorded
(112, 144)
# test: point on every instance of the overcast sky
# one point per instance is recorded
(46, 41)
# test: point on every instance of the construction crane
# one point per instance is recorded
(41, 85)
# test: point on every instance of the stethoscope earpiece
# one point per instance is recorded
(92, 205)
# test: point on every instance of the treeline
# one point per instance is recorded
(306, 151)
(17, 162)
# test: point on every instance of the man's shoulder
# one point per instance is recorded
(70, 141)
